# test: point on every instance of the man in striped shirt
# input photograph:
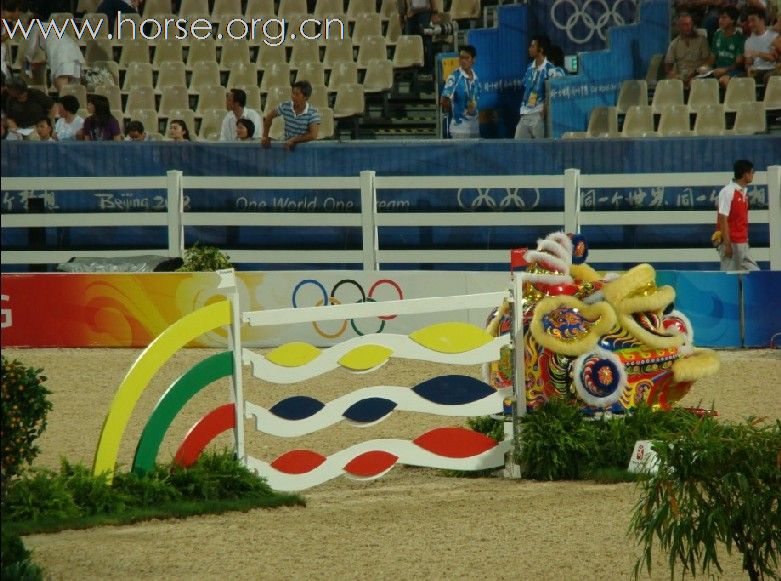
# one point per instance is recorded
(302, 121)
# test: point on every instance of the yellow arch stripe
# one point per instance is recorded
(141, 372)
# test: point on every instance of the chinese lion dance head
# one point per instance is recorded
(611, 341)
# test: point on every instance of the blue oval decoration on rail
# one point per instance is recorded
(369, 410)
(453, 390)
(298, 407)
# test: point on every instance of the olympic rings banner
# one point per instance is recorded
(580, 25)
(130, 310)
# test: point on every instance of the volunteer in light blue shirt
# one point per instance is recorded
(540, 69)
(460, 97)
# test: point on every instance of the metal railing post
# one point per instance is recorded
(174, 209)
(774, 214)
(572, 201)
(369, 221)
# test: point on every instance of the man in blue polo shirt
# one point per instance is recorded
(302, 121)
(540, 69)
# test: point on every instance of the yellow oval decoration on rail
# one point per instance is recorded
(451, 337)
(365, 357)
(293, 354)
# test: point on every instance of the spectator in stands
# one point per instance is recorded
(6, 133)
(687, 52)
(69, 123)
(26, 106)
(302, 121)
(236, 103)
(759, 54)
(705, 13)
(461, 95)
(418, 15)
(540, 69)
(45, 130)
(245, 130)
(777, 45)
(101, 125)
(727, 47)
(134, 131)
(178, 131)
(63, 56)
(111, 8)
(11, 12)
(732, 233)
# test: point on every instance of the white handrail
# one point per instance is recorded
(373, 215)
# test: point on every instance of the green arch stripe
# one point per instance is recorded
(172, 402)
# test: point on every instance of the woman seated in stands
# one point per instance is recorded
(101, 125)
(245, 130)
(177, 131)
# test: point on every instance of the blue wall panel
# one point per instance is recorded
(762, 317)
(711, 302)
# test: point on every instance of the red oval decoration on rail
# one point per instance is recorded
(370, 463)
(455, 442)
(298, 461)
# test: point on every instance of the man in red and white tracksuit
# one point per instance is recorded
(733, 219)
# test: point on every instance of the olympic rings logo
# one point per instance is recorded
(473, 198)
(582, 18)
(361, 297)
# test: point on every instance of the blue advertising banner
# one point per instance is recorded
(711, 301)
(479, 157)
(762, 309)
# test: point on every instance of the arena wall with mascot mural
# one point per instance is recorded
(611, 341)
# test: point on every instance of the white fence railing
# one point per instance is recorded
(572, 218)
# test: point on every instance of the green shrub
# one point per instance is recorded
(91, 494)
(487, 425)
(40, 494)
(150, 489)
(717, 484)
(74, 492)
(218, 475)
(557, 443)
(204, 259)
(24, 409)
(16, 564)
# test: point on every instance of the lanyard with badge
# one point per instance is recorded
(471, 101)
(532, 101)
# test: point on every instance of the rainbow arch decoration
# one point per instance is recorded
(151, 360)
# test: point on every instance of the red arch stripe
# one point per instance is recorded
(210, 426)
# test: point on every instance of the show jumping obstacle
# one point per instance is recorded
(603, 341)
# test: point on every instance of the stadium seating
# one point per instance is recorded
(739, 90)
(674, 121)
(632, 93)
(603, 122)
(710, 120)
(409, 52)
(668, 92)
(749, 118)
(639, 122)
(349, 101)
(703, 92)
